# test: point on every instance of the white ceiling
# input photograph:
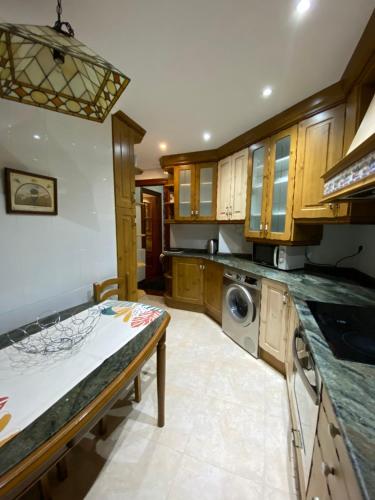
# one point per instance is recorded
(200, 65)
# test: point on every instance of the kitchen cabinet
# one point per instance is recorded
(270, 191)
(196, 285)
(195, 192)
(274, 316)
(188, 280)
(213, 289)
(231, 195)
(320, 146)
(318, 488)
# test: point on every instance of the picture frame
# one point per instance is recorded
(29, 193)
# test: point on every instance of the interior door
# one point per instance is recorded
(281, 185)
(224, 188)
(152, 231)
(206, 191)
(237, 209)
(257, 190)
(184, 192)
(320, 146)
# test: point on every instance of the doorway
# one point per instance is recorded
(152, 239)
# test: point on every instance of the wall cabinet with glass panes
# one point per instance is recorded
(195, 192)
(271, 191)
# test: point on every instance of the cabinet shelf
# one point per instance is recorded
(282, 180)
(283, 158)
(279, 213)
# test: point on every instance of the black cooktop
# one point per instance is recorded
(349, 330)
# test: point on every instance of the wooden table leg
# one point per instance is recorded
(137, 389)
(160, 371)
(44, 488)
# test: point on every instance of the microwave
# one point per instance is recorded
(279, 256)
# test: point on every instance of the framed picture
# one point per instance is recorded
(28, 193)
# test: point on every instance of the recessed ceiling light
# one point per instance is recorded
(303, 6)
(163, 146)
(267, 91)
(206, 136)
(36, 137)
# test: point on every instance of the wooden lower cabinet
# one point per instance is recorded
(274, 316)
(188, 280)
(213, 289)
(197, 286)
(318, 488)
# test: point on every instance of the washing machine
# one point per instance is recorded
(241, 309)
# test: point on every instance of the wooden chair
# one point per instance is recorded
(103, 291)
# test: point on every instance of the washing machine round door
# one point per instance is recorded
(240, 304)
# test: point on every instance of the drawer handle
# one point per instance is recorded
(333, 430)
(327, 470)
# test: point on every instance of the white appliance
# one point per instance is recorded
(280, 256)
(304, 387)
(241, 307)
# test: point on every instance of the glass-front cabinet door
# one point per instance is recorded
(257, 186)
(282, 171)
(184, 186)
(205, 199)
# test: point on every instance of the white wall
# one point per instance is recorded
(48, 263)
(232, 240)
(192, 236)
(340, 240)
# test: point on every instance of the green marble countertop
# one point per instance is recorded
(350, 386)
(76, 399)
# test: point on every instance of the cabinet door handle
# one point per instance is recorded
(266, 228)
(260, 227)
(192, 212)
(327, 470)
(196, 212)
(333, 430)
(285, 298)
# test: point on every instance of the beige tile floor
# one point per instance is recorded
(225, 436)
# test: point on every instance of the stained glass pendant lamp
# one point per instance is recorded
(49, 68)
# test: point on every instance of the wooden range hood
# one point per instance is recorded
(354, 176)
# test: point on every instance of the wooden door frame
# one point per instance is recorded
(159, 196)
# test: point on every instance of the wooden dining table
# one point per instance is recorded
(26, 458)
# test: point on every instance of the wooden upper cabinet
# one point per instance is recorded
(224, 187)
(232, 177)
(270, 190)
(282, 166)
(184, 190)
(237, 207)
(205, 191)
(195, 192)
(257, 190)
(188, 280)
(320, 146)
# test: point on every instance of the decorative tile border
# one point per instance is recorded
(358, 171)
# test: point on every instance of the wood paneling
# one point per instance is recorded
(317, 485)
(320, 146)
(213, 289)
(125, 132)
(188, 280)
(274, 319)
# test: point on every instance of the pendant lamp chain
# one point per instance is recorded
(59, 25)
